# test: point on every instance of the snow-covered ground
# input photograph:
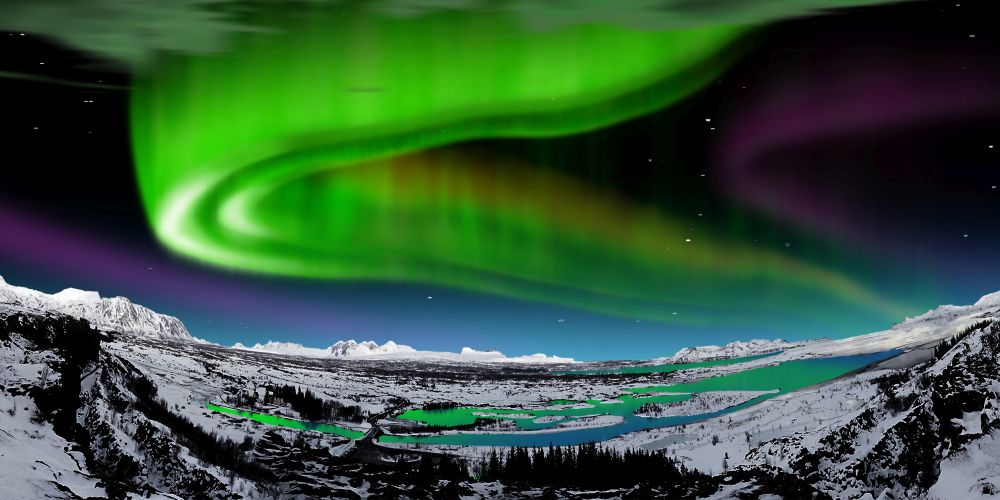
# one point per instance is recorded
(706, 444)
(972, 473)
(705, 402)
(34, 460)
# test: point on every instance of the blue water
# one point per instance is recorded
(631, 423)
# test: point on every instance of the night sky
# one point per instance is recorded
(817, 176)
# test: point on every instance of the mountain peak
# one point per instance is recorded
(76, 295)
(116, 314)
(350, 348)
(991, 299)
(735, 349)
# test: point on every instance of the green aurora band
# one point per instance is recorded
(326, 148)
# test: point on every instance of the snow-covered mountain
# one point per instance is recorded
(736, 349)
(351, 349)
(117, 314)
(910, 334)
(340, 349)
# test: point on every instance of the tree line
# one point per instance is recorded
(945, 345)
(311, 406)
(586, 465)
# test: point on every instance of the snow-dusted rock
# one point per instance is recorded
(351, 348)
(117, 314)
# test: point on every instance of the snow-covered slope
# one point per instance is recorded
(114, 314)
(926, 430)
(351, 349)
(913, 333)
(736, 349)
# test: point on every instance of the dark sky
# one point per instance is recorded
(876, 129)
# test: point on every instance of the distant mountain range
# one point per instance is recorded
(736, 349)
(352, 349)
(117, 314)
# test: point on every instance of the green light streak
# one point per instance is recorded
(299, 154)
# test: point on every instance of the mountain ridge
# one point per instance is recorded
(735, 349)
(117, 313)
(390, 350)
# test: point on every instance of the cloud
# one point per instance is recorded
(131, 32)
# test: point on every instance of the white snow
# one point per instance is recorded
(704, 402)
(988, 300)
(969, 473)
(33, 457)
(75, 295)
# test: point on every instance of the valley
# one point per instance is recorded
(281, 424)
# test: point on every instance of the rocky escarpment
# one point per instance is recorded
(109, 415)
(138, 444)
(921, 417)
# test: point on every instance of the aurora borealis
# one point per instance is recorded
(224, 143)
(228, 148)
(661, 180)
